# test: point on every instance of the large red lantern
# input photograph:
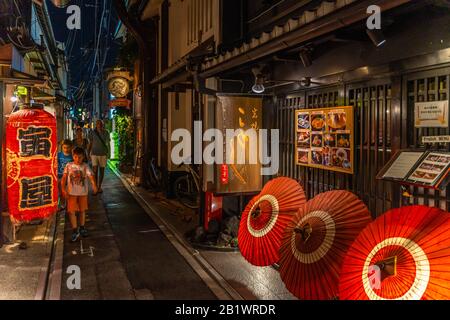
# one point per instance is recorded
(31, 147)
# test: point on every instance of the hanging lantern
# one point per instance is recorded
(31, 148)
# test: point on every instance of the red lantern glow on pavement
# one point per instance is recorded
(31, 147)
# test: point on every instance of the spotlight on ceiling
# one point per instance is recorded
(377, 37)
(305, 56)
(259, 81)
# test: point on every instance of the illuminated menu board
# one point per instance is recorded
(324, 138)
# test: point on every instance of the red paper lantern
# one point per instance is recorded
(31, 147)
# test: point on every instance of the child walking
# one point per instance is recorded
(75, 189)
(64, 157)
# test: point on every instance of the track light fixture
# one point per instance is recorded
(377, 37)
(258, 87)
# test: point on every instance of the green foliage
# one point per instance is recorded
(125, 130)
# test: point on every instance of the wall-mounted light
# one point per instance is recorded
(258, 87)
(377, 37)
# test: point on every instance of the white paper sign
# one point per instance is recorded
(431, 114)
(436, 139)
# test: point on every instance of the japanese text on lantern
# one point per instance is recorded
(35, 141)
(36, 192)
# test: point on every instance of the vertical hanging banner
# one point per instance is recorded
(31, 148)
(239, 114)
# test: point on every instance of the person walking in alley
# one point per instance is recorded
(75, 190)
(99, 150)
(64, 157)
(81, 142)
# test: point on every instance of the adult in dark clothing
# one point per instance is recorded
(99, 151)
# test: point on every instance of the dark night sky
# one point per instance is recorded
(80, 44)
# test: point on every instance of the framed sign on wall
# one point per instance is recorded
(432, 114)
(325, 138)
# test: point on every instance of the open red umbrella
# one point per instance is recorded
(315, 242)
(403, 255)
(265, 218)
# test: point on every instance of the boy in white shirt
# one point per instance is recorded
(75, 189)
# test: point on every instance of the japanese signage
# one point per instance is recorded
(324, 138)
(120, 103)
(239, 113)
(431, 114)
(119, 83)
(31, 148)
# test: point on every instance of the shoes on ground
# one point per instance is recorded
(75, 236)
(84, 233)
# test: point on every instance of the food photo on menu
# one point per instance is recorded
(318, 122)
(336, 121)
(303, 121)
(340, 158)
(343, 140)
(304, 138)
(303, 156)
(424, 176)
(329, 140)
(326, 154)
(316, 157)
(431, 169)
(316, 140)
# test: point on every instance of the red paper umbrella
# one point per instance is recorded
(265, 218)
(315, 242)
(403, 255)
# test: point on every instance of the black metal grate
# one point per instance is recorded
(372, 144)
